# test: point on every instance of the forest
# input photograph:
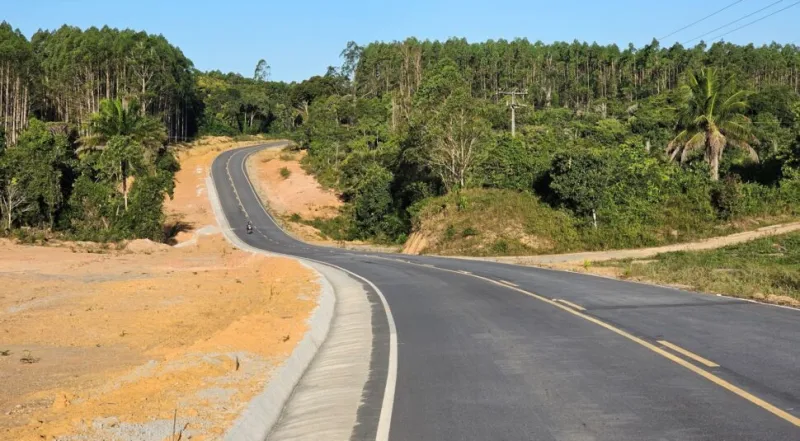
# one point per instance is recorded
(612, 147)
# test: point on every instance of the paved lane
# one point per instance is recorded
(487, 355)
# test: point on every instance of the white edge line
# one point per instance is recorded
(385, 419)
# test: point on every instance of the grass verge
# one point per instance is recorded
(765, 269)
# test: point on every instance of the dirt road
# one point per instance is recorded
(643, 253)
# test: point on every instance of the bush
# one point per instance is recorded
(285, 173)
(373, 209)
(144, 217)
(469, 232)
(92, 210)
(728, 197)
(338, 228)
(500, 247)
(450, 232)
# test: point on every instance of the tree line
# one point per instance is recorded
(602, 130)
(602, 136)
(577, 75)
(63, 75)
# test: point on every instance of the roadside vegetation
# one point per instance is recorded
(614, 147)
(765, 269)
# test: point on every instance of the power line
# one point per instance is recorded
(735, 21)
(698, 21)
(756, 21)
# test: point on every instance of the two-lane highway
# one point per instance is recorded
(489, 351)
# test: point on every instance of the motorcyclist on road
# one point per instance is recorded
(249, 227)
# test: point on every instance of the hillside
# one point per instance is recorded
(489, 223)
(485, 222)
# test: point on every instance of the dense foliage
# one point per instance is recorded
(594, 131)
(401, 124)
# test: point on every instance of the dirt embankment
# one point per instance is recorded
(295, 197)
(103, 344)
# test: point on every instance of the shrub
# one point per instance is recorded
(728, 197)
(285, 172)
(450, 232)
(500, 246)
(144, 217)
(469, 232)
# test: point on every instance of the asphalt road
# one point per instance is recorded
(485, 353)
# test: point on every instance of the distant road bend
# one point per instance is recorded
(488, 351)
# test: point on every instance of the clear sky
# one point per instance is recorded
(301, 38)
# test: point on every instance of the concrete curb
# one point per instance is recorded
(263, 412)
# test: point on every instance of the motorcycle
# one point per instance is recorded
(249, 229)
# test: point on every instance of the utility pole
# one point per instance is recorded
(514, 106)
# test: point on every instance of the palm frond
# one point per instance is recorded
(696, 142)
(747, 148)
(736, 129)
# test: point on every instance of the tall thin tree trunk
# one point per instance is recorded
(123, 169)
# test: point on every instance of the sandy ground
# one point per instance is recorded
(300, 194)
(99, 344)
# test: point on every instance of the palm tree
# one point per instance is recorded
(116, 118)
(127, 140)
(711, 120)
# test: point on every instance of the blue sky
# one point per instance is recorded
(302, 38)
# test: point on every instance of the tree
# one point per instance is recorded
(712, 118)
(262, 71)
(457, 148)
(581, 182)
(455, 130)
(129, 142)
(39, 163)
(122, 158)
(116, 118)
(13, 201)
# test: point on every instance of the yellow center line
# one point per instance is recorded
(780, 413)
(573, 305)
(691, 355)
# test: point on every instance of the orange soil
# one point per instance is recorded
(300, 193)
(189, 204)
(97, 344)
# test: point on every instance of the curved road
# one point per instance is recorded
(489, 351)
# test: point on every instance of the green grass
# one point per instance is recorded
(759, 269)
(494, 222)
(490, 222)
